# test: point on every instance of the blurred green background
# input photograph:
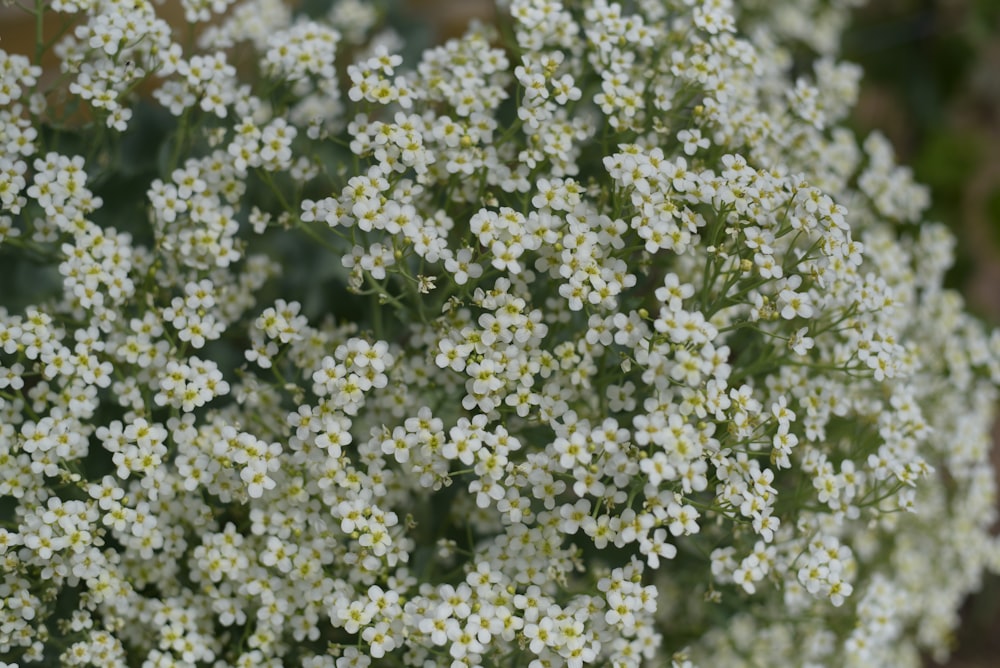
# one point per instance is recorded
(932, 85)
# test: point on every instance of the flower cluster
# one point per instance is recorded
(591, 337)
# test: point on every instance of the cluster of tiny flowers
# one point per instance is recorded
(590, 337)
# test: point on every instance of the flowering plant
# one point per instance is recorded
(591, 337)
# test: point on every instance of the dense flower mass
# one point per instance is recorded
(591, 337)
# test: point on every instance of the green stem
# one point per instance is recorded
(377, 323)
(315, 236)
(269, 180)
(39, 31)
